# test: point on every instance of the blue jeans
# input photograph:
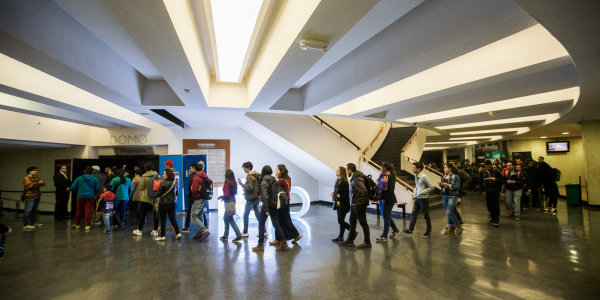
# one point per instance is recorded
(386, 211)
(251, 205)
(197, 208)
(452, 214)
(106, 218)
(121, 209)
(31, 206)
(513, 199)
(228, 220)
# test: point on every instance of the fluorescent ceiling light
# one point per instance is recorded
(493, 137)
(549, 118)
(565, 133)
(518, 130)
(531, 100)
(531, 46)
(234, 22)
(435, 148)
(543, 137)
(464, 142)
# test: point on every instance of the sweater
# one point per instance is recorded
(285, 184)
(32, 185)
(85, 186)
(124, 191)
(197, 184)
(229, 193)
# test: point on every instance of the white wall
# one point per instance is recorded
(361, 132)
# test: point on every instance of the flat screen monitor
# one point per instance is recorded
(558, 146)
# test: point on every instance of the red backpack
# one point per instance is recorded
(153, 186)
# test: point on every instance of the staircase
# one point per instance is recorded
(392, 146)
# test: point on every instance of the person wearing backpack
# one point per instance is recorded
(251, 189)
(123, 189)
(514, 181)
(167, 203)
(198, 185)
(548, 179)
(359, 200)
(148, 197)
(228, 197)
(268, 198)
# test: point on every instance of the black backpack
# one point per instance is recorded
(206, 192)
(274, 192)
(371, 187)
(557, 174)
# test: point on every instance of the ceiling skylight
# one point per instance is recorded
(549, 118)
(531, 46)
(518, 130)
(234, 22)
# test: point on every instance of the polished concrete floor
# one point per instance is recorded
(543, 256)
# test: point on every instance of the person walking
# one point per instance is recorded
(62, 192)
(228, 197)
(123, 190)
(106, 207)
(251, 190)
(269, 208)
(514, 181)
(190, 198)
(548, 177)
(85, 187)
(167, 203)
(285, 218)
(450, 185)
(197, 214)
(386, 186)
(169, 166)
(147, 202)
(341, 201)
(359, 200)
(137, 194)
(533, 183)
(490, 183)
(422, 188)
(31, 188)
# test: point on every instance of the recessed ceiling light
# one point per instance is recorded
(518, 130)
(565, 133)
(234, 22)
(528, 47)
(462, 142)
(493, 137)
(549, 118)
(543, 137)
(531, 100)
(435, 148)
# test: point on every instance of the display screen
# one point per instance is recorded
(558, 146)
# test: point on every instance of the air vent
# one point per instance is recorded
(146, 114)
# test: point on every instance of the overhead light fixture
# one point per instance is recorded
(528, 47)
(543, 137)
(565, 133)
(518, 130)
(549, 118)
(492, 137)
(434, 148)
(531, 100)
(234, 22)
(314, 44)
(464, 142)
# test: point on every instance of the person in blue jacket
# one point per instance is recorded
(123, 190)
(85, 187)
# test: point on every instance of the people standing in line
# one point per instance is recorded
(341, 200)
(197, 214)
(251, 190)
(269, 208)
(285, 218)
(524, 196)
(228, 197)
(190, 198)
(490, 184)
(451, 185)
(31, 185)
(533, 183)
(514, 181)
(465, 180)
(386, 187)
(85, 187)
(106, 207)
(63, 190)
(147, 202)
(102, 180)
(167, 203)
(548, 179)
(359, 200)
(169, 166)
(4, 231)
(422, 188)
(137, 194)
(123, 190)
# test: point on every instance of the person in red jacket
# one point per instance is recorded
(199, 203)
(229, 193)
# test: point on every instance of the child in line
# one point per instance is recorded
(106, 208)
(4, 231)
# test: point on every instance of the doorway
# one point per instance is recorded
(118, 161)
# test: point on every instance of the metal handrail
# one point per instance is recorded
(410, 141)
(379, 167)
(427, 167)
(376, 137)
(339, 133)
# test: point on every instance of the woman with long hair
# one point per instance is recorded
(341, 201)
(229, 192)
(123, 190)
(269, 208)
(285, 218)
(450, 186)
(167, 203)
(386, 186)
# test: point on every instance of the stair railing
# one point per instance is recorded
(398, 180)
(427, 167)
(375, 139)
(339, 133)
(410, 141)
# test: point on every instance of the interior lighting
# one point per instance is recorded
(493, 137)
(434, 148)
(531, 100)
(518, 130)
(543, 137)
(565, 133)
(465, 142)
(234, 22)
(528, 47)
(549, 118)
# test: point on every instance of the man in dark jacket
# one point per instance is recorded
(533, 183)
(514, 180)
(547, 177)
(102, 180)
(250, 194)
(490, 183)
(63, 189)
(359, 200)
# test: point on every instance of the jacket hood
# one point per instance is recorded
(201, 174)
(357, 174)
(150, 174)
(108, 196)
(255, 174)
(87, 177)
(269, 179)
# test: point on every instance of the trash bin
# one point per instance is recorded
(573, 193)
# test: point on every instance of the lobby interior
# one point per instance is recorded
(313, 85)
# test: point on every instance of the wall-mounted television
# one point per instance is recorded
(553, 147)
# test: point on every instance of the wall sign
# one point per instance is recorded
(128, 139)
(134, 151)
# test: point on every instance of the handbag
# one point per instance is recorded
(230, 208)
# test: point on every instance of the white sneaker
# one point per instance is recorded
(37, 224)
(29, 227)
(244, 234)
(154, 232)
(158, 239)
(178, 236)
(137, 232)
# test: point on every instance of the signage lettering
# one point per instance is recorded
(128, 139)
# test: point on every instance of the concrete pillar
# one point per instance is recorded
(591, 149)
(444, 156)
